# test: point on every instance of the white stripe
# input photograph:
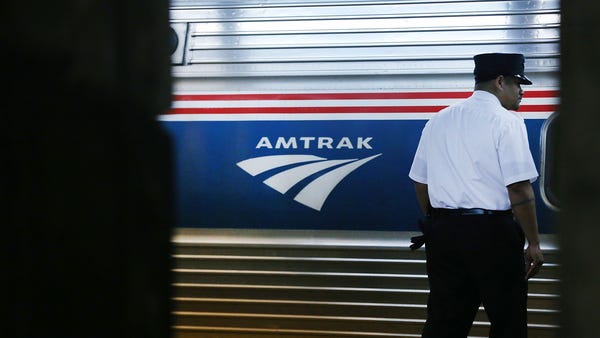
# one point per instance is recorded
(257, 165)
(317, 191)
(313, 103)
(537, 115)
(285, 180)
(316, 117)
(336, 103)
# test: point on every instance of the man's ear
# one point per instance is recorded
(499, 81)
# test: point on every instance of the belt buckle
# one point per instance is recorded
(474, 211)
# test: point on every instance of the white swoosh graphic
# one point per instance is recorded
(315, 193)
(257, 165)
(285, 180)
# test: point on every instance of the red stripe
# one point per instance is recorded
(538, 108)
(541, 93)
(323, 96)
(336, 110)
(345, 96)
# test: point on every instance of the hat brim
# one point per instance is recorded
(523, 79)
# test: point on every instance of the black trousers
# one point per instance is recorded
(473, 260)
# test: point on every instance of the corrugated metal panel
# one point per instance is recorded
(252, 283)
(291, 38)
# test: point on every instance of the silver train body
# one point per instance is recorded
(294, 123)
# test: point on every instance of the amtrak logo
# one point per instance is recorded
(314, 194)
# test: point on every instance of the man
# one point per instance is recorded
(472, 173)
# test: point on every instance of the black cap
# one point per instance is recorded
(489, 66)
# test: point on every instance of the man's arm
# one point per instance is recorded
(423, 197)
(522, 200)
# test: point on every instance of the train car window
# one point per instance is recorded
(177, 42)
(548, 177)
(173, 41)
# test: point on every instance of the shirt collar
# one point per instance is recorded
(483, 95)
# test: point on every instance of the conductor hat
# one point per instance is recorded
(489, 66)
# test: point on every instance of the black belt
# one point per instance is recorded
(469, 212)
(425, 224)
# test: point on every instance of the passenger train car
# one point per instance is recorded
(294, 124)
(306, 115)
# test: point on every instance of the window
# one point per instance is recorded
(549, 165)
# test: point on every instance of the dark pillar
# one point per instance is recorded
(88, 181)
(579, 167)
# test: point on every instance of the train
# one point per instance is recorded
(294, 124)
(306, 115)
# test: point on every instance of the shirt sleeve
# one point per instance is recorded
(418, 170)
(514, 155)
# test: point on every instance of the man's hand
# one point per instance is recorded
(533, 260)
(522, 202)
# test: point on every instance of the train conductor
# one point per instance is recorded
(472, 173)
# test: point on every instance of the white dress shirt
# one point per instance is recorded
(469, 152)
